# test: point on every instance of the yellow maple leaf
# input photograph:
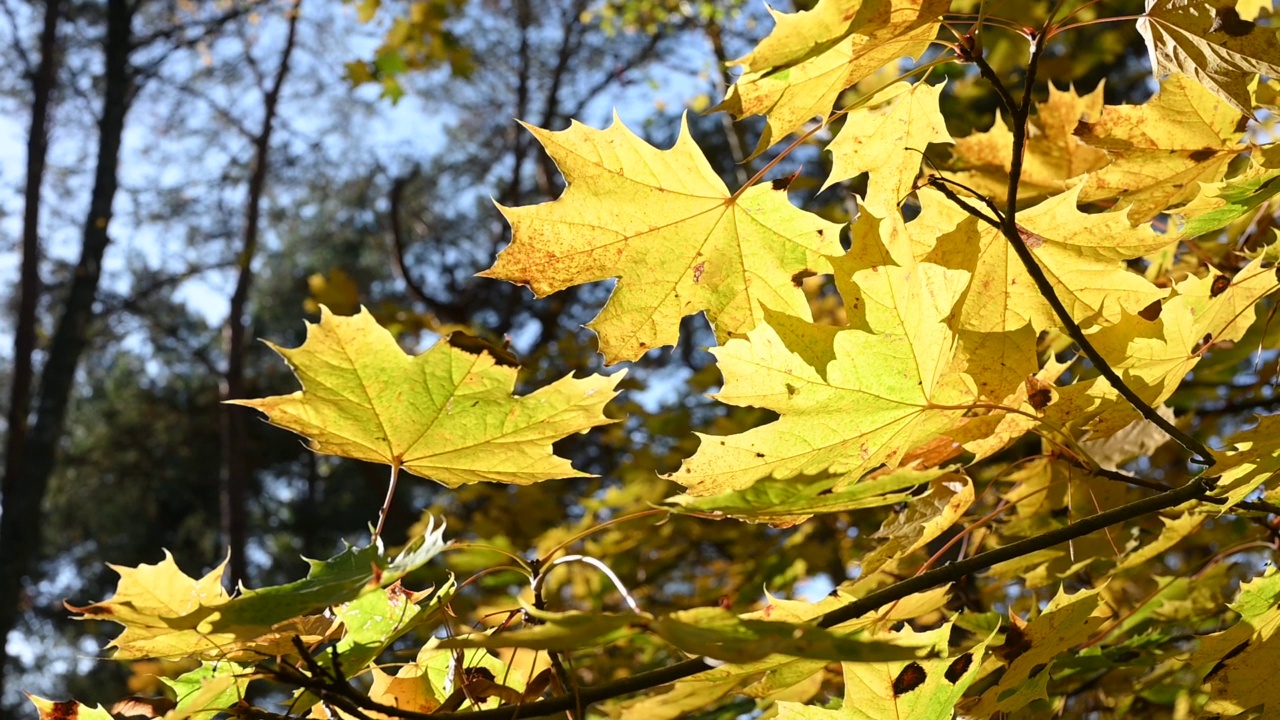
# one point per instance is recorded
(165, 614)
(665, 225)
(1162, 149)
(888, 137)
(1210, 41)
(796, 73)
(68, 710)
(1053, 156)
(1154, 356)
(446, 414)
(1081, 256)
(848, 400)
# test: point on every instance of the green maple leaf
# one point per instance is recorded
(665, 225)
(210, 688)
(797, 72)
(447, 414)
(1220, 204)
(787, 502)
(1210, 41)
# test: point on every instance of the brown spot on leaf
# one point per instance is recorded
(1039, 393)
(1151, 313)
(1082, 128)
(911, 677)
(799, 278)
(65, 710)
(477, 346)
(1202, 154)
(1219, 286)
(697, 272)
(1227, 20)
(760, 455)
(958, 668)
(1014, 645)
(1204, 343)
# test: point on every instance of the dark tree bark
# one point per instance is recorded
(32, 454)
(236, 466)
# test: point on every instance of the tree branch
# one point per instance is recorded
(1013, 232)
(925, 581)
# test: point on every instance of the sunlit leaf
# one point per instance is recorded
(447, 414)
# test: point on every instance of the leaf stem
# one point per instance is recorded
(386, 504)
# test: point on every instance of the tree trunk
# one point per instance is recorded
(236, 467)
(31, 455)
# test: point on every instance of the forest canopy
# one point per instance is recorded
(642, 359)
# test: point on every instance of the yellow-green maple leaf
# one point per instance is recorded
(848, 400)
(1254, 460)
(446, 414)
(888, 137)
(1053, 156)
(1219, 204)
(1162, 149)
(665, 225)
(1066, 621)
(1238, 663)
(796, 73)
(165, 614)
(1154, 356)
(1081, 256)
(1210, 41)
(918, 689)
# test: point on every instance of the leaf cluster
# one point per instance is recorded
(997, 389)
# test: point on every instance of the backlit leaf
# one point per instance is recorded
(798, 71)
(665, 225)
(446, 414)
